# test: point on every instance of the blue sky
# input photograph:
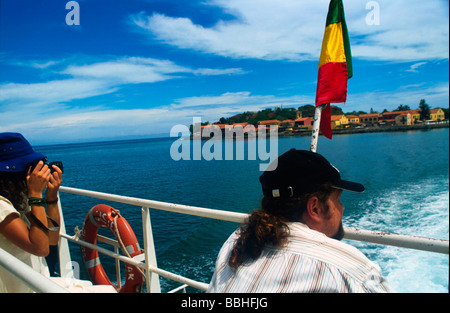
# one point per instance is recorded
(136, 68)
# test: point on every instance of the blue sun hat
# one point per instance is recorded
(16, 153)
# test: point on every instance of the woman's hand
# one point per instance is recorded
(54, 183)
(38, 180)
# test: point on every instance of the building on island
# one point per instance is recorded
(404, 119)
(370, 119)
(342, 121)
(437, 115)
(339, 121)
(353, 119)
(304, 122)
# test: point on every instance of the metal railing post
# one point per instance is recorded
(65, 261)
(151, 278)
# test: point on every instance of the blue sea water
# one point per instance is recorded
(406, 175)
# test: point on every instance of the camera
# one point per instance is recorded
(57, 163)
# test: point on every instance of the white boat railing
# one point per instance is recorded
(384, 238)
(147, 260)
(30, 277)
(150, 265)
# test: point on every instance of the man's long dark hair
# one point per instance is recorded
(268, 226)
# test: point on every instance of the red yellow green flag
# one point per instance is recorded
(335, 65)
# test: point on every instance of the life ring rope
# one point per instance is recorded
(124, 248)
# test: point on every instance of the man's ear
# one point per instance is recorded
(313, 209)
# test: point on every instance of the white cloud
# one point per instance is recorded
(135, 70)
(49, 94)
(211, 108)
(256, 35)
(415, 66)
(239, 101)
(88, 124)
(44, 64)
(47, 107)
(409, 30)
(119, 72)
(436, 96)
(95, 79)
(75, 124)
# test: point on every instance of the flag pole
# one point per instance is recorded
(316, 126)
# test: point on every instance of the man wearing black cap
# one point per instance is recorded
(292, 243)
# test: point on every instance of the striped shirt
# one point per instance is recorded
(309, 262)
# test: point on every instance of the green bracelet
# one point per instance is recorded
(36, 201)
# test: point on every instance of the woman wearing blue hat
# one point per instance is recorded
(29, 215)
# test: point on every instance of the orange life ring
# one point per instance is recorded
(103, 215)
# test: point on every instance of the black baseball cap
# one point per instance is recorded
(299, 172)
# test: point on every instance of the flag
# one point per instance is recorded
(335, 65)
